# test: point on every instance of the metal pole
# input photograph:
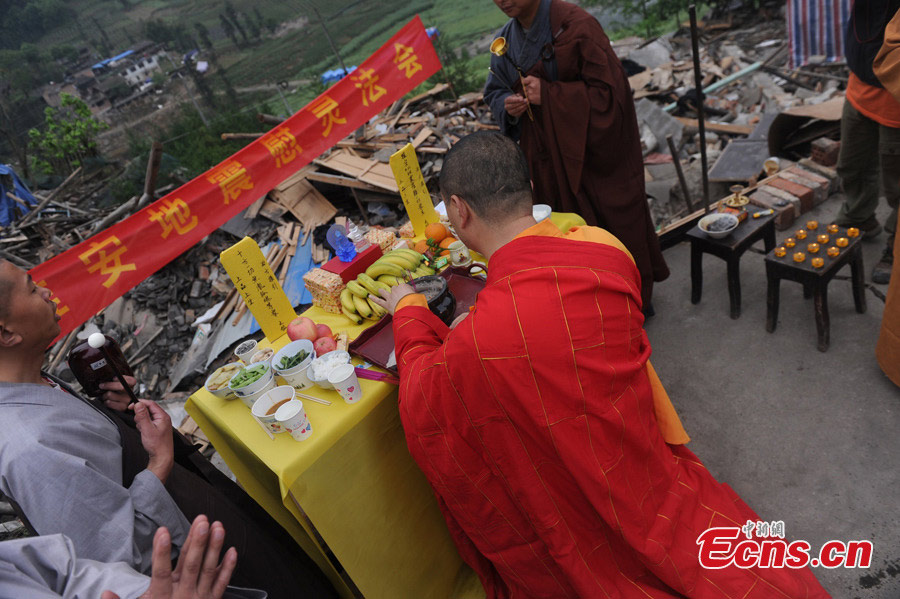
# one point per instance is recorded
(701, 98)
(187, 88)
(680, 173)
(287, 107)
(328, 35)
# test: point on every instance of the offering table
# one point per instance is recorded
(351, 489)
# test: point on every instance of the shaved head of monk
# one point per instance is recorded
(487, 189)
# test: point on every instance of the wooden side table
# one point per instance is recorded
(815, 281)
(730, 249)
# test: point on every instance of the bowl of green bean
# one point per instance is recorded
(252, 379)
(292, 361)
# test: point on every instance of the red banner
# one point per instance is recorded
(93, 274)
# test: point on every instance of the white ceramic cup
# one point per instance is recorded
(248, 347)
(459, 254)
(292, 418)
(266, 401)
(346, 383)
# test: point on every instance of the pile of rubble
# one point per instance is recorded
(748, 90)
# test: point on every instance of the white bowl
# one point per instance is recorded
(292, 349)
(339, 356)
(710, 218)
(541, 211)
(266, 381)
(223, 391)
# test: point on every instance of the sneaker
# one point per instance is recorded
(869, 227)
(881, 274)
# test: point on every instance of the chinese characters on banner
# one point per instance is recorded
(90, 276)
(255, 281)
(416, 200)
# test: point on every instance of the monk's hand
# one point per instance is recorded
(389, 299)
(155, 427)
(533, 90)
(515, 105)
(116, 398)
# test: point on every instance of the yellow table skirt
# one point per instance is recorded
(352, 482)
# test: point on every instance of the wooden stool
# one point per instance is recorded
(730, 249)
(815, 280)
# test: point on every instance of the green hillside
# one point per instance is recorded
(297, 49)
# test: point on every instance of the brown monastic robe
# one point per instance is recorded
(583, 147)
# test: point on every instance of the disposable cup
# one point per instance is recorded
(266, 401)
(459, 254)
(245, 350)
(346, 383)
(292, 418)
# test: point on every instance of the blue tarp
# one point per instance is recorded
(103, 63)
(10, 182)
(335, 75)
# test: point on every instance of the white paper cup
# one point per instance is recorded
(245, 350)
(346, 383)
(459, 254)
(292, 418)
(265, 403)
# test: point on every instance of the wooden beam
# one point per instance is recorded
(717, 127)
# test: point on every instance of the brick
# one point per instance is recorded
(784, 213)
(827, 172)
(825, 151)
(782, 194)
(820, 192)
(799, 191)
(806, 174)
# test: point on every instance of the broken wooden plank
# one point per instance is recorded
(717, 127)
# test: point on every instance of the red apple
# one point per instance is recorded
(323, 330)
(302, 328)
(324, 345)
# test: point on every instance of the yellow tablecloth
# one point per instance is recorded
(351, 485)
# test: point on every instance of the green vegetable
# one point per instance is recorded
(248, 375)
(287, 363)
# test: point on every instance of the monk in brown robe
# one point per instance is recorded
(583, 146)
(887, 69)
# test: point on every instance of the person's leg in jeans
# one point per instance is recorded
(889, 151)
(858, 167)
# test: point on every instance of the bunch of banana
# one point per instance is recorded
(389, 270)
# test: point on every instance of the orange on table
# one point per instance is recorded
(421, 246)
(436, 231)
(445, 243)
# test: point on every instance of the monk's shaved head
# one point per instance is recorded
(489, 171)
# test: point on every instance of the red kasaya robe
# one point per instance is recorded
(534, 421)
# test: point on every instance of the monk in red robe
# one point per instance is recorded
(583, 144)
(554, 452)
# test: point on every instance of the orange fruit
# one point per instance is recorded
(436, 231)
(421, 246)
(445, 243)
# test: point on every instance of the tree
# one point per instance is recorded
(232, 15)
(203, 34)
(251, 26)
(260, 22)
(229, 28)
(67, 137)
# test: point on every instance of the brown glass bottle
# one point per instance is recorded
(90, 366)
